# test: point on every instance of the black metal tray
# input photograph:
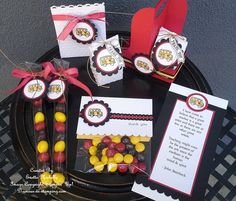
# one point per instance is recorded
(134, 85)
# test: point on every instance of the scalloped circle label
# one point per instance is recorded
(96, 113)
(84, 32)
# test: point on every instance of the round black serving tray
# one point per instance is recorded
(134, 85)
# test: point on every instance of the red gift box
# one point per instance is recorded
(145, 26)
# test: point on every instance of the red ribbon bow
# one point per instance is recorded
(27, 76)
(74, 20)
(69, 74)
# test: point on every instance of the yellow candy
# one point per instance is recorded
(104, 159)
(118, 158)
(104, 151)
(42, 146)
(99, 166)
(128, 158)
(93, 150)
(60, 146)
(46, 178)
(139, 147)
(39, 117)
(111, 167)
(96, 141)
(111, 159)
(134, 139)
(58, 178)
(116, 139)
(60, 117)
(93, 159)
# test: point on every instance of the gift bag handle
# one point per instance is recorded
(160, 6)
(171, 14)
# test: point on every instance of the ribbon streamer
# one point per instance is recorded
(173, 41)
(74, 20)
(27, 76)
(70, 75)
(178, 50)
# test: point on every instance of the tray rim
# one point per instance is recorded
(193, 71)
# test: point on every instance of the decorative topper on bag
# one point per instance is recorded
(33, 80)
(113, 116)
(97, 113)
(106, 62)
(168, 51)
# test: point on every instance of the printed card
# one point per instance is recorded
(77, 27)
(115, 116)
(189, 124)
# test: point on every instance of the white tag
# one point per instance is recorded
(178, 50)
(115, 54)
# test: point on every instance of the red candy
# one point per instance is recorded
(39, 126)
(120, 147)
(122, 168)
(37, 103)
(59, 157)
(110, 153)
(60, 127)
(142, 167)
(106, 140)
(135, 160)
(43, 157)
(87, 144)
(133, 168)
(61, 100)
(111, 145)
